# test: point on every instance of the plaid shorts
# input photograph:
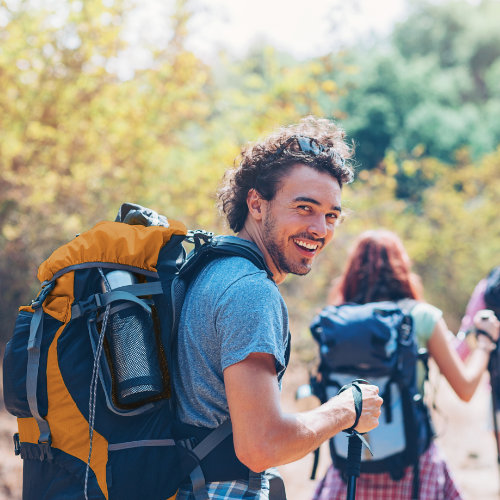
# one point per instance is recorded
(230, 490)
(436, 483)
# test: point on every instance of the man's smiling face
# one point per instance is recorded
(300, 220)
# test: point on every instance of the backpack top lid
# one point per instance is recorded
(112, 242)
(363, 338)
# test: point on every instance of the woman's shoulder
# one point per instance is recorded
(425, 316)
(424, 308)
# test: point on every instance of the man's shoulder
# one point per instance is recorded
(232, 270)
(231, 280)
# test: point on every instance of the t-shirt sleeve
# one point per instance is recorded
(251, 317)
(425, 317)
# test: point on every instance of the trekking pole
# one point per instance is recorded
(356, 440)
(353, 464)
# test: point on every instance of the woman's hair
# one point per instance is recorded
(378, 268)
(315, 142)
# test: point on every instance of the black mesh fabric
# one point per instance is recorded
(130, 334)
(178, 294)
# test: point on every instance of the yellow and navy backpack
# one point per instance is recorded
(86, 371)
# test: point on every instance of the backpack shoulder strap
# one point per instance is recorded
(227, 245)
(218, 246)
(407, 305)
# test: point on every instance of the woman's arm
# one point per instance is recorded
(464, 378)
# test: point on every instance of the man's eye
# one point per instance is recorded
(306, 208)
(336, 218)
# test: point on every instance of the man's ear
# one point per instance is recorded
(256, 204)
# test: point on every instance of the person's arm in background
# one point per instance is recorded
(265, 436)
(476, 303)
(464, 378)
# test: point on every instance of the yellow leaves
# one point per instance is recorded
(72, 224)
(418, 150)
(254, 82)
(408, 167)
(37, 131)
(391, 183)
(329, 86)
(11, 232)
(316, 68)
(10, 147)
(391, 167)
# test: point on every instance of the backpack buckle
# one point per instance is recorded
(89, 305)
(17, 444)
(189, 443)
(45, 450)
(40, 298)
(199, 237)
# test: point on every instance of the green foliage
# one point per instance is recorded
(434, 88)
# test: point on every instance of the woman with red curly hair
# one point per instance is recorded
(379, 269)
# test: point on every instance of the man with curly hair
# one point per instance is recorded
(234, 344)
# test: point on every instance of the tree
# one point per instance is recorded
(77, 140)
(431, 88)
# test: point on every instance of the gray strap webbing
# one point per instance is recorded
(277, 488)
(199, 486)
(34, 342)
(140, 444)
(113, 296)
(213, 440)
(128, 293)
(201, 450)
(153, 288)
(254, 481)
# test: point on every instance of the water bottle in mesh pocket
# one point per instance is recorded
(130, 336)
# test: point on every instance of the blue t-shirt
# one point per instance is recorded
(231, 309)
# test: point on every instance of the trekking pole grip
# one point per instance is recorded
(354, 456)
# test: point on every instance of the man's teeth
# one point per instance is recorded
(309, 246)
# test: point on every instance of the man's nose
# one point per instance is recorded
(319, 227)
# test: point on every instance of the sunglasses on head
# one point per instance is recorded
(311, 146)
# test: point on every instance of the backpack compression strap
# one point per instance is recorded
(34, 342)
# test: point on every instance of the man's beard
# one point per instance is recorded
(277, 251)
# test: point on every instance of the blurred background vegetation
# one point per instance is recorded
(78, 137)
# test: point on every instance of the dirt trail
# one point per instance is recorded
(464, 437)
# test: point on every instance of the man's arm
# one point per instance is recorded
(264, 436)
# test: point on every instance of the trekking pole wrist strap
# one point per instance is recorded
(358, 407)
(358, 400)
